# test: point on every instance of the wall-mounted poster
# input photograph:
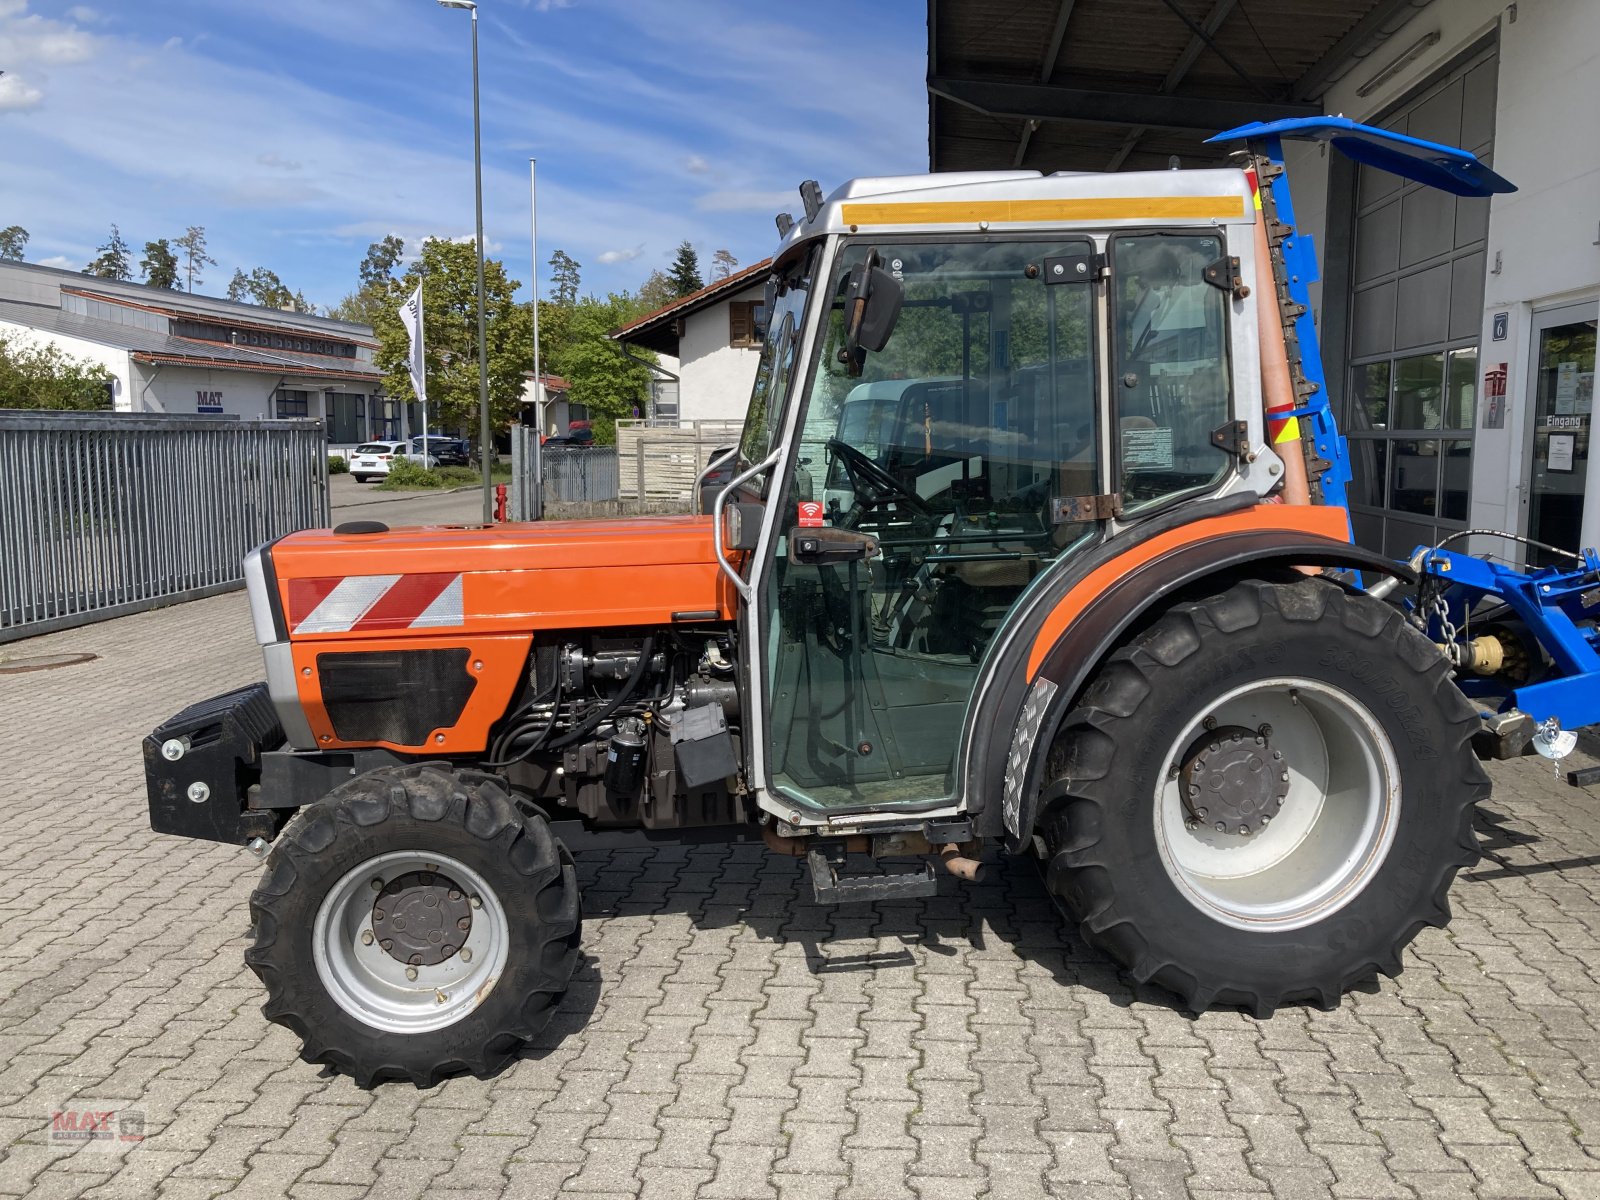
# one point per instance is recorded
(1560, 455)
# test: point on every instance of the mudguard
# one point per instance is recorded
(1087, 611)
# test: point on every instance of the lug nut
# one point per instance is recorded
(1209, 723)
(377, 914)
(477, 902)
(464, 924)
(366, 937)
(411, 973)
(377, 885)
(466, 954)
(439, 997)
(387, 944)
(1221, 828)
(1284, 777)
(1265, 731)
(1244, 829)
(1200, 812)
(454, 894)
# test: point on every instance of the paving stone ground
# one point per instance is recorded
(725, 1038)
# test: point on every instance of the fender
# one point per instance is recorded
(1088, 611)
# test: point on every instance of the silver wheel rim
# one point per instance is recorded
(1329, 838)
(373, 986)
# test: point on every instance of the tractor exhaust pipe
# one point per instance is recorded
(962, 867)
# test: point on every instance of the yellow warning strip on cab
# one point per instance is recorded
(1099, 208)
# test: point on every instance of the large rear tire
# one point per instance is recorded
(1264, 797)
(414, 924)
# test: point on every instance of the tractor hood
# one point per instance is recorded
(495, 579)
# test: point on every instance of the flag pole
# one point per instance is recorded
(536, 507)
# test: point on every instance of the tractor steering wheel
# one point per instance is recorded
(872, 484)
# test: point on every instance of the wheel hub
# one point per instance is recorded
(1233, 779)
(421, 918)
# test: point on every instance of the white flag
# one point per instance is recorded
(411, 318)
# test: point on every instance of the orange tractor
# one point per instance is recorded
(1034, 540)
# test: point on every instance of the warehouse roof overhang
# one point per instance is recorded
(1109, 85)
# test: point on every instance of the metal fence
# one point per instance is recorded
(103, 514)
(582, 474)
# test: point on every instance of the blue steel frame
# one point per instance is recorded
(1558, 605)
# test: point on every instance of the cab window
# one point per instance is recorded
(1170, 338)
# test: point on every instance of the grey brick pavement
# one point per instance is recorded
(726, 1039)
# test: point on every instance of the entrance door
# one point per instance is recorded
(1561, 399)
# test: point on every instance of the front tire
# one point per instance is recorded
(1264, 797)
(414, 924)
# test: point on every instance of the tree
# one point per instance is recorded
(594, 367)
(239, 286)
(657, 292)
(449, 275)
(723, 264)
(159, 264)
(378, 288)
(564, 275)
(377, 268)
(195, 258)
(111, 260)
(13, 241)
(685, 270)
(41, 376)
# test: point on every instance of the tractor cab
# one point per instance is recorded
(962, 384)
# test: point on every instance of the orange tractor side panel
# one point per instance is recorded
(495, 663)
(488, 590)
(1291, 518)
(506, 579)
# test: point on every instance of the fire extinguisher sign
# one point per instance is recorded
(810, 514)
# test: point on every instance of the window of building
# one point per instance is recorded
(292, 404)
(347, 421)
(1416, 312)
(742, 324)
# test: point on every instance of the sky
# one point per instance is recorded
(299, 131)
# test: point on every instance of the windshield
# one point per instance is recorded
(374, 448)
(777, 360)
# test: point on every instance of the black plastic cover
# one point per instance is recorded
(223, 739)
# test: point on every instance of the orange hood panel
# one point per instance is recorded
(510, 578)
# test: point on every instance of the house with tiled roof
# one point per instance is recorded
(175, 352)
(712, 335)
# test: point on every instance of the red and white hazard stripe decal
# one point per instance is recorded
(363, 603)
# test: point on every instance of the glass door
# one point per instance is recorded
(1561, 401)
(964, 448)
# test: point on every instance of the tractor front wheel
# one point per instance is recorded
(1264, 797)
(414, 924)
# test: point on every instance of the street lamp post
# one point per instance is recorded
(485, 444)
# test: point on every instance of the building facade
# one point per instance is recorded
(712, 336)
(170, 351)
(1462, 331)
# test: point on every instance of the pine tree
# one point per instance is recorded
(195, 258)
(111, 260)
(685, 271)
(159, 264)
(723, 264)
(564, 276)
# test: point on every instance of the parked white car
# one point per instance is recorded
(371, 460)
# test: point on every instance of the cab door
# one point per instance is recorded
(968, 450)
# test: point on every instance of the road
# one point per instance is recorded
(352, 501)
(726, 1038)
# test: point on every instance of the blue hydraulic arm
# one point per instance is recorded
(1295, 260)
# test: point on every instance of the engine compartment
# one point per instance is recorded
(633, 728)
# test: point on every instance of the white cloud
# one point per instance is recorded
(83, 14)
(696, 165)
(273, 160)
(58, 260)
(30, 38)
(17, 94)
(608, 257)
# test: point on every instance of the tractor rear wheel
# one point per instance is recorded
(414, 924)
(1264, 797)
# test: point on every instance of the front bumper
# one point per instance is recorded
(200, 768)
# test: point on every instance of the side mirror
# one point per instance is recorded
(872, 299)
